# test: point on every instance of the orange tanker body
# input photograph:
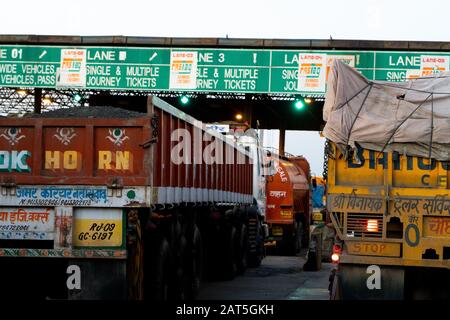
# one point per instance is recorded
(288, 204)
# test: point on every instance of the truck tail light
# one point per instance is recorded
(372, 225)
(335, 258)
(337, 249)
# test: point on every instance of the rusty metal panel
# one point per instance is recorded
(13, 38)
(117, 151)
(194, 41)
(240, 42)
(320, 43)
(153, 41)
(424, 45)
(64, 152)
(371, 44)
(103, 40)
(282, 43)
(396, 45)
(64, 148)
(58, 39)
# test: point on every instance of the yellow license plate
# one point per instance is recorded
(277, 231)
(373, 249)
(98, 228)
(286, 213)
(317, 216)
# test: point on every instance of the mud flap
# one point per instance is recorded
(359, 282)
(100, 279)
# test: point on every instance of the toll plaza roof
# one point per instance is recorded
(337, 44)
(261, 79)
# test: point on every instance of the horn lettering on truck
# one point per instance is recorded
(14, 161)
(68, 160)
(118, 160)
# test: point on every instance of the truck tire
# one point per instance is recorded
(195, 265)
(243, 251)
(156, 278)
(230, 265)
(334, 287)
(289, 244)
(298, 236)
(256, 255)
(179, 281)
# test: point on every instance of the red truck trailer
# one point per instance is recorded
(288, 204)
(98, 203)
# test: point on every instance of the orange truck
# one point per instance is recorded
(288, 205)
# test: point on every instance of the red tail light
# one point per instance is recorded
(337, 249)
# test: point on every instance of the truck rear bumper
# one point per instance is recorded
(48, 279)
(389, 261)
(382, 282)
(364, 282)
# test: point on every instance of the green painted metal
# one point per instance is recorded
(269, 71)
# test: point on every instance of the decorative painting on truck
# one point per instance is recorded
(27, 223)
(76, 196)
(15, 149)
(63, 150)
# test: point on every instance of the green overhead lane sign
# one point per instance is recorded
(202, 70)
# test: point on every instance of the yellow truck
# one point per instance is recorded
(388, 191)
(393, 217)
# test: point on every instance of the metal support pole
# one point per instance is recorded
(37, 100)
(282, 141)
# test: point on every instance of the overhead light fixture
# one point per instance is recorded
(238, 116)
(21, 92)
(47, 101)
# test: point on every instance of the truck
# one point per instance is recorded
(388, 185)
(288, 203)
(105, 203)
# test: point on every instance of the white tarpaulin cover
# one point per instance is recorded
(407, 117)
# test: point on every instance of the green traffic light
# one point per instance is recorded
(77, 97)
(299, 104)
(184, 100)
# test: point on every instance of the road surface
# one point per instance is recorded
(278, 278)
